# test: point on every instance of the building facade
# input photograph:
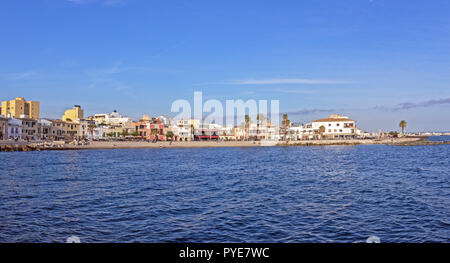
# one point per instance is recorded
(58, 130)
(20, 108)
(29, 129)
(335, 127)
(72, 129)
(14, 129)
(113, 118)
(44, 129)
(73, 114)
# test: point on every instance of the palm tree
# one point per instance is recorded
(192, 131)
(285, 124)
(321, 131)
(247, 125)
(402, 125)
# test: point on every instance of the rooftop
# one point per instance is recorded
(334, 118)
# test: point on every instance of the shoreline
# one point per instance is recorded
(6, 146)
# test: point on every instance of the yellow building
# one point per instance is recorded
(20, 108)
(73, 114)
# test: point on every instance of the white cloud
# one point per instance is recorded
(103, 2)
(288, 81)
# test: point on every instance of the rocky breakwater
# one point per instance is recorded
(28, 147)
(418, 143)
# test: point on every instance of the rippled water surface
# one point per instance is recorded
(268, 194)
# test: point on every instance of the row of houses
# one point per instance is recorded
(73, 126)
(42, 129)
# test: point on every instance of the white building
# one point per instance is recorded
(182, 133)
(207, 131)
(226, 133)
(113, 118)
(14, 129)
(263, 131)
(335, 127)
(99, 133)
(303, 132)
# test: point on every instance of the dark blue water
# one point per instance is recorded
(268, 194)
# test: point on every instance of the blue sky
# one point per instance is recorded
(378, 61)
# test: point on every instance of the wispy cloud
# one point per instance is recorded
(20, 75)
(103, 2)
(428, 103)
(412, 105)
(288, 81)
(312, 111)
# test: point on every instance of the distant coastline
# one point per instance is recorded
(6, 146)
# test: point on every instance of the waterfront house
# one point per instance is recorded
(72, 130)
(263, 130)
(181, 133)
(206, 131)
(335, 127)
(84, 130)
(142, 128)
(29, 129)
(99, 133)
(303, 132)
(58, 130)
(226, 133)
(186, 129)
(157, 130)
(14, 129)
(44, 129)
(239, 133)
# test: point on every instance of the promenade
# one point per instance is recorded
(34, 146)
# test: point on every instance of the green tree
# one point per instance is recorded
(247, 125)
(285, 123)
(321, 131)
(402, 125)
(170, 135)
